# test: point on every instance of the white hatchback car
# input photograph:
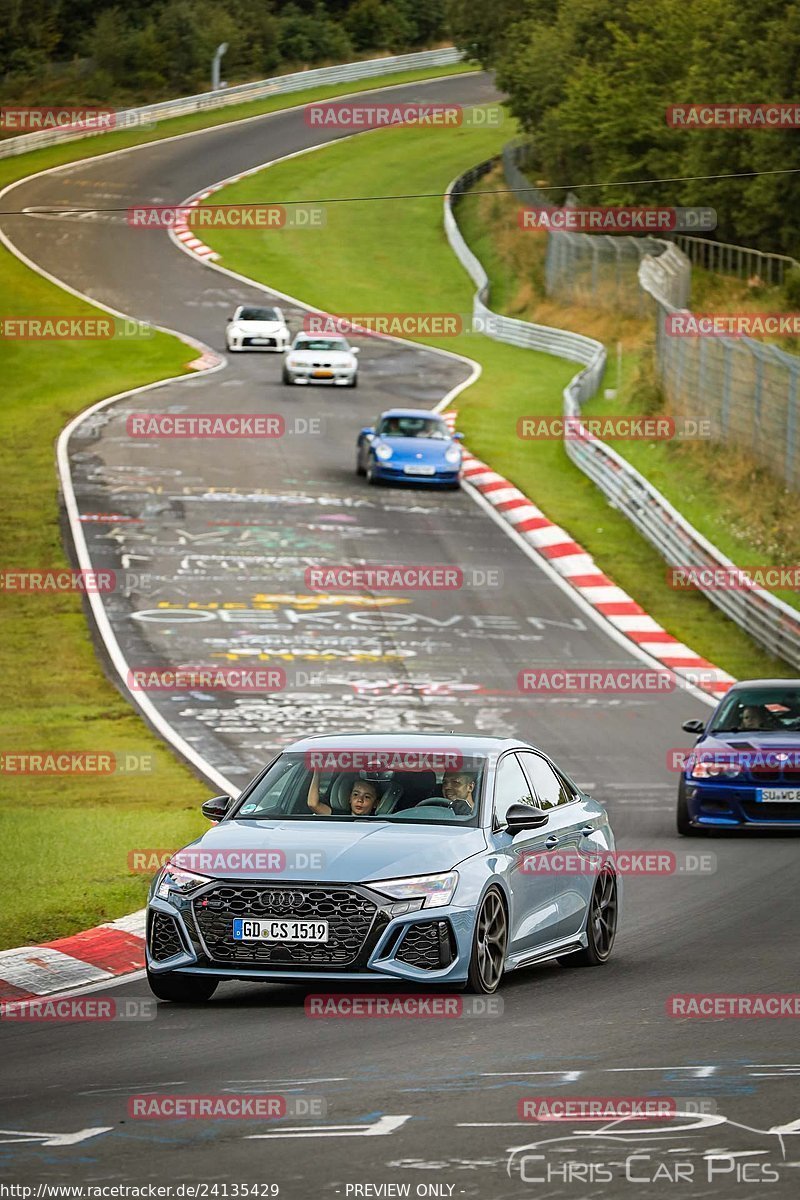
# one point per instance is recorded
(252, 328)
(321, 359)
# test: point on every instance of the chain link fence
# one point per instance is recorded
(746, 390)
(591, 268)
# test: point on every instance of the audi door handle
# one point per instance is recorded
(551, 842)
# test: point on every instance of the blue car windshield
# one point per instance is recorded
(761, 710)
(420, 787)
(413, 427)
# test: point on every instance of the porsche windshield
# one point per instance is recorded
(419, 786)
(413, 427)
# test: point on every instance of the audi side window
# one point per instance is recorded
(510, 787)
(550, 789)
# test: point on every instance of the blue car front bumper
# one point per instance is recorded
(723, 805)
(389, 473)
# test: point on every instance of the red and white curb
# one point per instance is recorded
(94, 956)
(578, 568)
(185, 234)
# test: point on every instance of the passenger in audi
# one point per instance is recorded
(363, 798)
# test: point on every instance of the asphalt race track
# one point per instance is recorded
(222, 534)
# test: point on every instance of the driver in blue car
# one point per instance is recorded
(459, 788)
(363, 798)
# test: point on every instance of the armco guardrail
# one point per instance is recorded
(150, 114)
(768, 620)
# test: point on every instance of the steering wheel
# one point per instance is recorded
(434, 802)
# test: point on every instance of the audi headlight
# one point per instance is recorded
(383, 452)
(175, 879)
(436, 891)
(452, 454)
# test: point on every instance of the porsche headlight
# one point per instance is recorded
(436, 891)
(383, 452)
(452, 454)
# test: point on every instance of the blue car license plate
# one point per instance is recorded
(414, 470)
(778, 795)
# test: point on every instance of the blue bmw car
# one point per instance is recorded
(409, 445)
(421, 859)
(744, 769)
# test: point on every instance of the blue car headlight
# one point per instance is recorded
(452, 454)
(383, 452)
(175, 880)
(705, 768)
(435, 891)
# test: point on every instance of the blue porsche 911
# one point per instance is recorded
(418, 859)
(744, 769)
(409, 445)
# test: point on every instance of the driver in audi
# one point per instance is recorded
(459, 788)
(363, 798)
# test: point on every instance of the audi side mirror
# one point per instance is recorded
(216, 808)
(524, 816)
(693, 726)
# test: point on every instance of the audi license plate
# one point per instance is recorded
(778, 795)
(262, 341)
(414, 470)
(273, 930)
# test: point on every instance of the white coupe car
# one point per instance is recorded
(253, 328)
(315, 359)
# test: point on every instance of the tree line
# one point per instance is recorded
(102, 51)
(590, 82)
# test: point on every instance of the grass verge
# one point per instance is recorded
(393, 256)
(66, 839)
